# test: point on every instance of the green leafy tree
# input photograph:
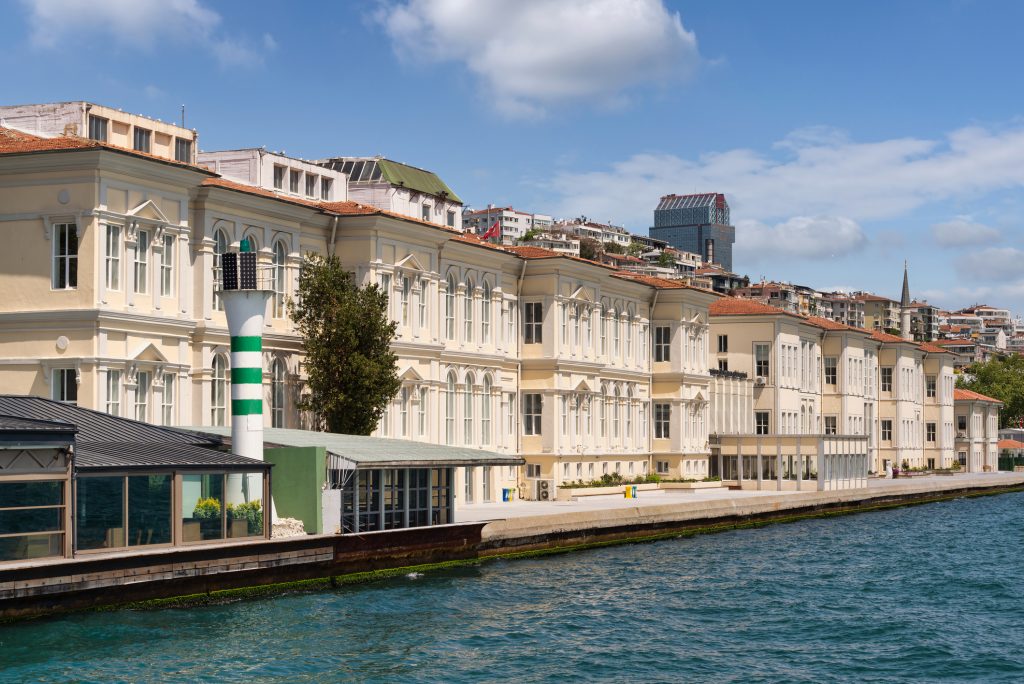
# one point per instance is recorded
(614, 248)
(665, 259)
(530, 235)
(350, 367)
(590, 248)
(635, 248)
(1002, 379)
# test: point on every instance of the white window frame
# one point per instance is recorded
(167, 266)
(112, 258)
(141, 266)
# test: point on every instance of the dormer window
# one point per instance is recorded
(279, 177)
(310, 185)
(426, 212)
(293, 180)
(325, 188)
(98, 128)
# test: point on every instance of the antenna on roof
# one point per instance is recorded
(182, 116)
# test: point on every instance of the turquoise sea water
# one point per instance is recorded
(929, 593)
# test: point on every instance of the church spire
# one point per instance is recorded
(905, 308)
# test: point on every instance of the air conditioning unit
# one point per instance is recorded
(760, 381)
(544, 490)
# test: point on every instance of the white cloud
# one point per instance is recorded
(801, 237)
(816, 173)
(532, 54)
(139, 24)
(963, 231)
(153, 92)
(993, 264)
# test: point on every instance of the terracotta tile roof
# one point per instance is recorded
(736, 306)
(530, 252)
(1010, 444)
(873, 298)
(933, 348)
(661, 283)
(880, 336)
(969, 395)
(19, 142)
(953, 343)
(471, 239)
(829, 324)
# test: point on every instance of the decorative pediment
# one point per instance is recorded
(411, 263)
(148, 352)
(148, 211)
(583, 386)
(584, 294)
(410, 375)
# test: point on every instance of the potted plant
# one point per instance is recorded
(245, 519)
(208, 513)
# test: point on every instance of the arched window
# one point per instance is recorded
(277, 393)
(219, 391)
(629, 415)
(467, 410)
(485, 412)
(615, 414)
(449, 412)
(467, 311)
(449, 308)
(280, 253)
(220, 246)
(254, 245)
(485, 314)
(602, 408)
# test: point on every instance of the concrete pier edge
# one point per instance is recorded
(440, 548)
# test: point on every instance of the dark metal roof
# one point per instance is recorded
(19, 424)
(151, 457)
(106, 442)
(94, 426)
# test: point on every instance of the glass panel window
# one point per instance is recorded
(930, 386)
(485, 314)
(467, 311)
(167, 267)
(293, 180)
(325, 188)
(98, 128)
(279, 172)
(99, 510)
(451, 219)
(449, 415)
(761, 424)
(31, 519)
(142, 263)
(114, 392)
(310, 185)
(218, 392)
(406, 293)
(167, 407)
(244, 509)
(830, 425)
(144, 382)
(831, 372)
(423, 303)
(449, 308)
(930, 432)
(63, 385)
(723, 344)
(202, 507)
(183, 150)
(467, 411)
(280, 255)
(662, 421)
(421, 420)
(277, 393)
(886, 429)
(485, 412)
(426, 212)
(887, 379)
(65, 256)
(113, 258)
(149, 509)
(220, 246)
(662, 343)
(532, 409)
(142, 139)
(761, 361)
(533, 323)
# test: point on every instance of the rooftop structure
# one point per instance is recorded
(283, 175)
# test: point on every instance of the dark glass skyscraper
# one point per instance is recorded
(698, 224)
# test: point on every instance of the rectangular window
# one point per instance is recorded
(63, 385)
(142, 263)
(293, 180)
(310, 185)
(423, 303)
(723, 365)
(325, 188)
(385, 288)
(65, 256)
(114, 392)
(961, 423)
(451, 219)
(830, 425)
(279, 177)
(167, 267)
(723, 344)
(142, 138)
(886, 426)
(113, 258)
(183, 150)
(406, 291)
(532, 406)
(762, 364)
(761, 424)
(426, 212)
(662, 343)
(887, 379)
(144, 381)
(510, 415)
(421, 413)
(98, 128)
(533, 323)
(167, 405)
(662, 421)
(930, 386)
(929, 430)
(831, 372)
(661, 467)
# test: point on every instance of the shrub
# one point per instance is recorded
(712, 478)
(207, 509)
(250, 512)
(652, 477)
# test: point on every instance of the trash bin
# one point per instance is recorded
(506, 494)
(630, 491)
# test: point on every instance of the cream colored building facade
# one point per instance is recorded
(977, 431)
(109, 271)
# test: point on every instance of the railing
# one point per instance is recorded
(266, 278)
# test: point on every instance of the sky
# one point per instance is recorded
(847, 137)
